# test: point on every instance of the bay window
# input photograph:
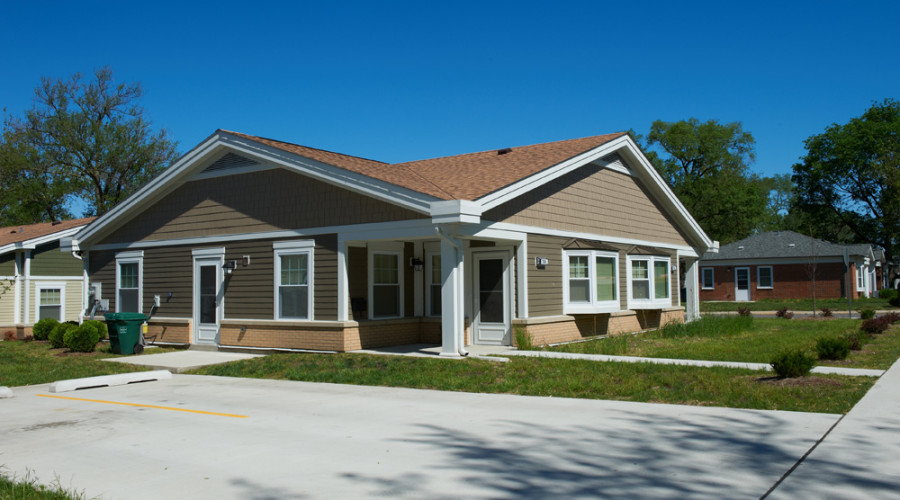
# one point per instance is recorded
(591, 282)
(649, 282)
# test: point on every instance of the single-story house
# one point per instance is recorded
(36, 279)
(782, 265)
(253, 242)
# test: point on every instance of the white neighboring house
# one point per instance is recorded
(37, 279)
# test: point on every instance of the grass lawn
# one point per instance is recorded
(836, 305)
(563, 378)
(28, 489)
(28, 363)
(744, 339)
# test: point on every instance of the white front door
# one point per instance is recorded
(491, 299)
(742, 284)
(208, 293)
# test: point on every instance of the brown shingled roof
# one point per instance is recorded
(462, 177)
(16, 234)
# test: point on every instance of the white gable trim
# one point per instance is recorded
(40, 240)
(192, 163)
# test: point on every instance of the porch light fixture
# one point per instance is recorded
(229, 266)
(417, 263)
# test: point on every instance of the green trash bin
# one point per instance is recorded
(125, 332)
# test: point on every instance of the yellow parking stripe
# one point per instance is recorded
(145, 406)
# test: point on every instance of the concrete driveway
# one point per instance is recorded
(263, 439)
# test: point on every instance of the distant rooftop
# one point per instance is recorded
(784, 244)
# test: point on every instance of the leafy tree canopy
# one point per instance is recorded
(707, 166)
(851, 176)
(83, 139)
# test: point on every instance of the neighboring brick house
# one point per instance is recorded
(782, 264)
(38, 280)
(253, 242)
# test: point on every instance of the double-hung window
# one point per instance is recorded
(764, 277)
(51, 299)
(386, 281)
(129, 280)
(294, 279)
(433, 290)
(591, 281)
(708, 281)
(860, 278)
(649, 285)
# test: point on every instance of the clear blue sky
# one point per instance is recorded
(398, 81)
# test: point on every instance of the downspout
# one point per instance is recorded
(84, 289)
(461, 349)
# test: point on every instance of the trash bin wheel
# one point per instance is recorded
(138, 348)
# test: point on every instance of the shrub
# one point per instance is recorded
(875, 325)
(784, 313)
(9, 335)
(827, 312)
(790, 364)
(100, 326)
(832, 348)
(57, 336)
(866, 313)
(82, 338)
(887, 293)
(895, 302)
(855, 340)
(42, 328)
(743, 311)
(892, 317)
(523, 340)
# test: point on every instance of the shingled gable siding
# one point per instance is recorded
(592, 199)
(253, 202)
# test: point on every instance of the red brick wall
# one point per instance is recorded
(790, 281)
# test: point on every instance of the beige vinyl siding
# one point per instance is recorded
(73, 300)
(545, 295)
(7, 307)
(8, 264)
(592, 199)
(269, 200)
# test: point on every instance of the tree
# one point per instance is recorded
(851, 173)
(81, 139)
(707, 166)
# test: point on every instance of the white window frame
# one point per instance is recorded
(131, 257)
(50, 285)
(712, 278)
(860, 278)
(771, 278)
(429, 283)
(652, 302)
(295, 247)
(592, 306)
(395, 249)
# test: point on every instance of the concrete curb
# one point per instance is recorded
(834, 370)
(6, 393)
(108, 380)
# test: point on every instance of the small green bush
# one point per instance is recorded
(832, 348)
(866, 313)
(100, 326)
(523, 340)
(57, 336)
(42, 329)
(790, 364)
(82, 338)
(887, 294)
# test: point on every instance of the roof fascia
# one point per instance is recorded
(182, 170)
(40, 240)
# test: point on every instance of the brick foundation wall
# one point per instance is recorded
(175, 332)
(790, 281)
(569, 328)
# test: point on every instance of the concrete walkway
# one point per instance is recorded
(182, 361)
(860, 456)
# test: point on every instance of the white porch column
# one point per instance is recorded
(342, 285)
(691, 290)
(452, 304)
(418, 281)
(17, 287)
(27, 259)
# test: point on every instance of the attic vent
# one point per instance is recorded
(228, 162)
(741, 247)
(504, 151)
(792, 245)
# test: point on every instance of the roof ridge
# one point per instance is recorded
(256, 137)
(618, 134)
